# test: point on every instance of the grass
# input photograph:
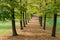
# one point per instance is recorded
(5, 26)
(50, 22)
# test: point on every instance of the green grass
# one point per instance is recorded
(50, 22)
(5, 26)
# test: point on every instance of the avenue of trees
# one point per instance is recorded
(23, 10)
(14, 9)
(50, 7)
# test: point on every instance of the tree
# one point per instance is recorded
(13, 23)
(8, 7)
(55, 18)
(54, 25)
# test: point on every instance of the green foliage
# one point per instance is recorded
(49, 6)
(40, 7)
(22, 8)
(6, 9)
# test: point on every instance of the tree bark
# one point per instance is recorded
(44, 22)
(40, 20)
(23, 19)
(13, 24)
(21, 24)
(54, 26)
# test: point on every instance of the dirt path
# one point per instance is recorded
(33, 31)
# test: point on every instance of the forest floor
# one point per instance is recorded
(32, 31)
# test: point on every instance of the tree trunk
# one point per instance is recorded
(44, 22)
(13, 24)
(21, 24)
(40, 20)
(23, 19)
(26, 21)
(54, 26)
